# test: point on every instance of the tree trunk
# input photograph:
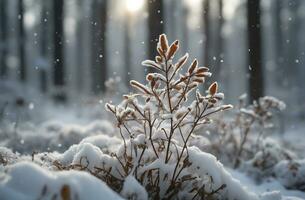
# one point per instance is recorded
(219, 49)
(155, 26)
(279, 33)
(256, 86)
(43, 46)
(279, 42)
(185, 31)
(206, 30)
(80, 47)
(21, 42)
(59, 71)
(127, 49)
(3, 38)
(99, 71)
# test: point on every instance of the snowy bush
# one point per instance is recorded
(156, 124)
(240, 137)
(266, 159)
(291, 173)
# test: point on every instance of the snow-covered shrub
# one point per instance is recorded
(264, 161)
(241, 135)
(156, 124)
(7, 156)
(291, 173)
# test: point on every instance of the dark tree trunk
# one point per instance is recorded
(256, 85)
(21, 42)
(172, 31)
(219, 49)
(206, 30)
(59, 71)
(3, 38)
(292, 47)
(99, 71)
(278, 33)
(43, 46)
(127, 49)
(185, 32)
(80, 46)
(155, 26)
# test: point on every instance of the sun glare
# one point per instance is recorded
(134, 5)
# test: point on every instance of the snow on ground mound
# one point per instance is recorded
(28, 181)
(204, 165)
(51, 135)
(207, 164)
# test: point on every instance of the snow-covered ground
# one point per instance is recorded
(51, 152)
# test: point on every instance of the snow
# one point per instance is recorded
(206, 164)
(28, 181)
(291, 173)
(132, 189)
(94, 151)
(269, 189)
(87, 144)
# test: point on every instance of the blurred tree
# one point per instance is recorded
(80, 46)
(292, 47)
(43, 45)
(3, 38)
(219, 40)
(58, 34)
(278, 34)
(99, 62)
(256, 82)
(172, 18)
(155, 26)
(206, 30)
(185, 29)
(21, 42)
(127, 47)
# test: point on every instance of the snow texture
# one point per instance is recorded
(28, 181)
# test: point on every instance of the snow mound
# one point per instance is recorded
(14, 184)
(203, 165)
(132, 189)
(291, 173)
(207, 164)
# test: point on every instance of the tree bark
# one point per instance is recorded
(155, 26)
(3, 38)
(58, 34)
(21, 42)
(80, 47)
(219, 49)
(256, 82)
(99, 62)
(44, 45)
(206, 30)
(127, 49)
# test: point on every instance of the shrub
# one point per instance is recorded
(240, 136)
(156, 124)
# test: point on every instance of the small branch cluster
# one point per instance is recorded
(257, 116)
(158, 120)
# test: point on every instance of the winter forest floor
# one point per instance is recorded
(45, 144)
